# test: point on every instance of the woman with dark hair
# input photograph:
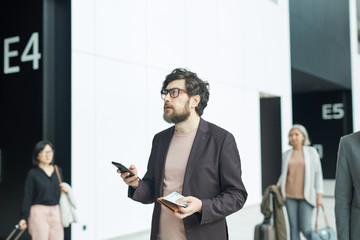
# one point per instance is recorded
(41, 210)
(301, 182)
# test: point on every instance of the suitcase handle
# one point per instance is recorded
(14, 231)
(271, 203)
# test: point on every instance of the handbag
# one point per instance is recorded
(326, 233)
(67, 204)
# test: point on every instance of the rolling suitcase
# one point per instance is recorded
(18, 235)
(266, 229)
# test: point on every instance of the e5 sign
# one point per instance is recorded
(26, 56)
(333, 111)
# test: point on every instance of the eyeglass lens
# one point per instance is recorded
(174, 92)
(47, 152)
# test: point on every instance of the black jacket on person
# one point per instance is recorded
(213, 174)
(40, 189)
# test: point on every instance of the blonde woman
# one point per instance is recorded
(301, 182)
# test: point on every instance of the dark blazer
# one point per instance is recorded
(347, 188)
(213, 174)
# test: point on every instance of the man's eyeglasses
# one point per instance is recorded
(174, 92)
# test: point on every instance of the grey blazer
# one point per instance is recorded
(213, 174)
(347, 188)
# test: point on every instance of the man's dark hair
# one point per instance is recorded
(194, 86)
(39, 146)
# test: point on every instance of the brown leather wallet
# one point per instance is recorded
(170, 205)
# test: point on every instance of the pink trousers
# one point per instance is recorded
(45, 223)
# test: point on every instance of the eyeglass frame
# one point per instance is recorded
(47, 153)
(171, 91)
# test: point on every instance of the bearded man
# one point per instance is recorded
(194, 158)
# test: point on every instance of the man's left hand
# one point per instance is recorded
(193, 205)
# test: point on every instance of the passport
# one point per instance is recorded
(169, 201)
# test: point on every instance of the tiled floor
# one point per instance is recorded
(241, 224)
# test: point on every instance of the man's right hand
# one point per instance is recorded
(131, 181)
(22, 224)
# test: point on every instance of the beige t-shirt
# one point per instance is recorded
(176, 161)
(296, 175)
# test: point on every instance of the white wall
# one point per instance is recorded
(121, 52)
(355, 65)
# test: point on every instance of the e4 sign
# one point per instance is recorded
(30, 53)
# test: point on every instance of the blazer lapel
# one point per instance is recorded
(307, 158)
(357, 143)
(198, 147)
(286, 160)
(163, 155)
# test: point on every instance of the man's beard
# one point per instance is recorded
(177, 117)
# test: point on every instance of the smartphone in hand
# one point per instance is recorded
(123, 168)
